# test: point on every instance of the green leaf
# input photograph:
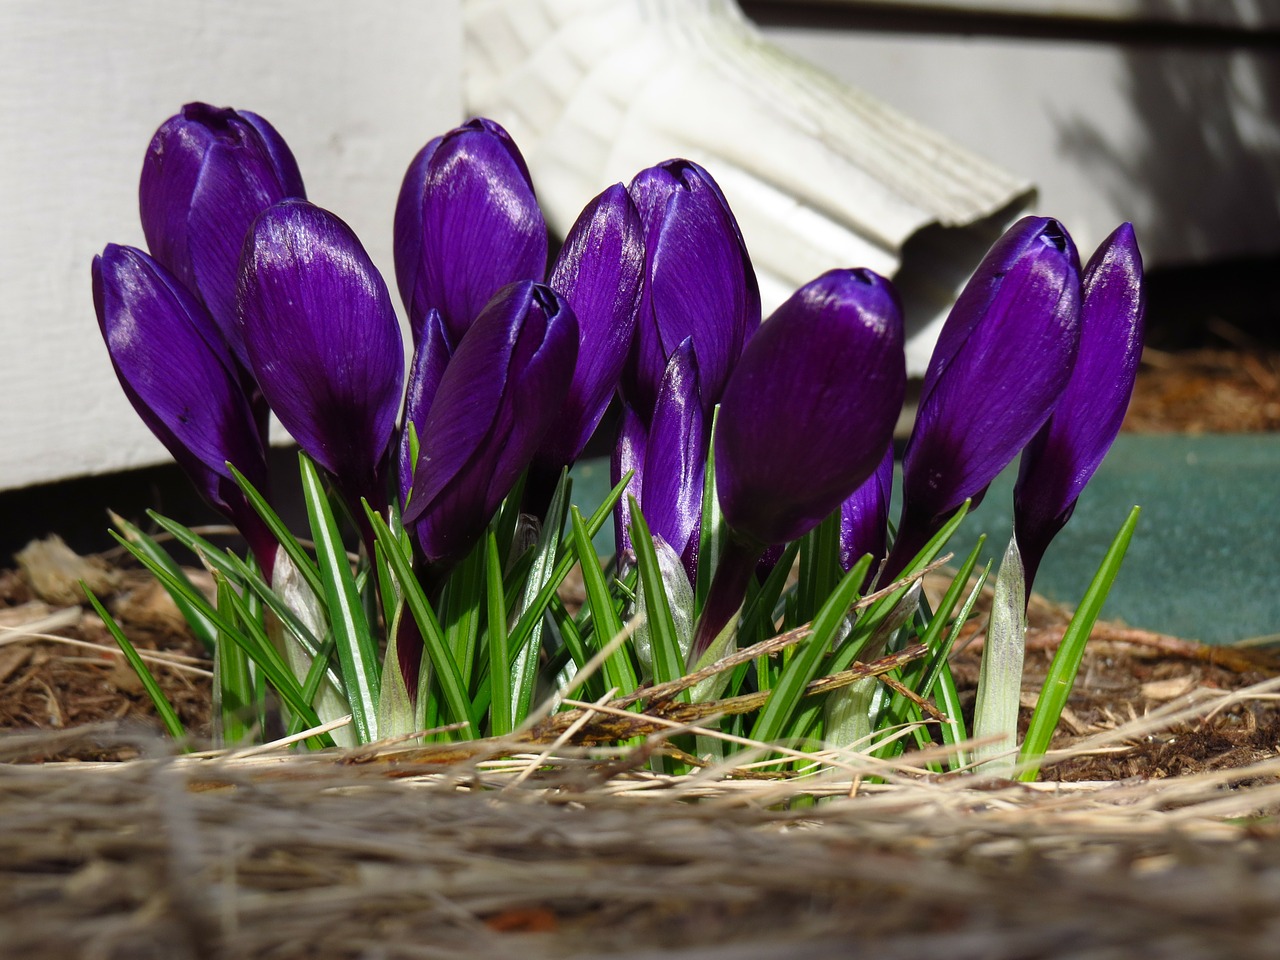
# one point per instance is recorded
(445, 670)
(288, 542)
(525, 655)
(500, 718)
(357, 649)
(803, 667)
(819, 566)
(1000, 679)
(203, 629)
(460, 610)
(532, 612)
(1066, 662)
(668, 660)
(233, 686)
(617, 667)
(168, 716)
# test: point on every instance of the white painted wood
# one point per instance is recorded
(1183, 141)
(355, 88)
(1220, 13)
(819, 174)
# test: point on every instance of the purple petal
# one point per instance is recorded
(811, 406)
(599, 272)
(430, 359)
(481, 227)
(323, 341)
(180, 377)
(496, 400)
(410, 264)
(207, 174)
(1002, 362)
(676, 459)
(864, 516)
(699, 282)
(1064, 455)
(628, 456)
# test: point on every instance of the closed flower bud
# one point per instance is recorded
(207, 175)
(323, 342)
(496, 400)
(1063, 456)
(1001, 362)
(466, 224)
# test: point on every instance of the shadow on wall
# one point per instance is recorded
(1208, 161)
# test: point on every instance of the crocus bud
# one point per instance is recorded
(430, 357)
(675, 459)
(599, 273)
(810, 409)
(864, 516)
(699, 283)
(805, 420)
(323, 342)
(207, 174)
(466, 224)
(495, 402)
(1063, 456)
(178, 373)
(1001, 362)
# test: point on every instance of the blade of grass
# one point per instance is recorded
(168, 716)
(444, 669)
(1066, 662)
(668, 661)
(357, 649)
(617, 667)
(233, 686)
(803, 666)
(203, 629)
(283, 535)
(500, 723)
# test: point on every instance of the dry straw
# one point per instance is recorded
(513, 850)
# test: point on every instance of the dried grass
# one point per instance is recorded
(401, 853)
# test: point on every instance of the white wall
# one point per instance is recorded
(1182, 139)
(355, 88)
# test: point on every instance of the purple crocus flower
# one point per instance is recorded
(1063, 456)
(430, 358)
(207, 174)
(323, 342)
(599, 273)
(466, 224)
(1001, 362)
(864, 516)
(699, 283)
(177, 371)
(498, 396)
(805, 420)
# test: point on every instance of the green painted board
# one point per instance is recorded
(1204, 563)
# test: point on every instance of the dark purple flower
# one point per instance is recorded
(628, 457)
(999, 367)
(599, 273)
(811, 406)
(323, 342)
(498, 396)
(864, 516)
(430, 358)
(1063, 456)
(207, 174)
(805, 420)
(467, 224)
(675, 460)
(699, 283)
(178, 373)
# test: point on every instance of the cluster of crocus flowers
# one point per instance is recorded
(253, 299)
